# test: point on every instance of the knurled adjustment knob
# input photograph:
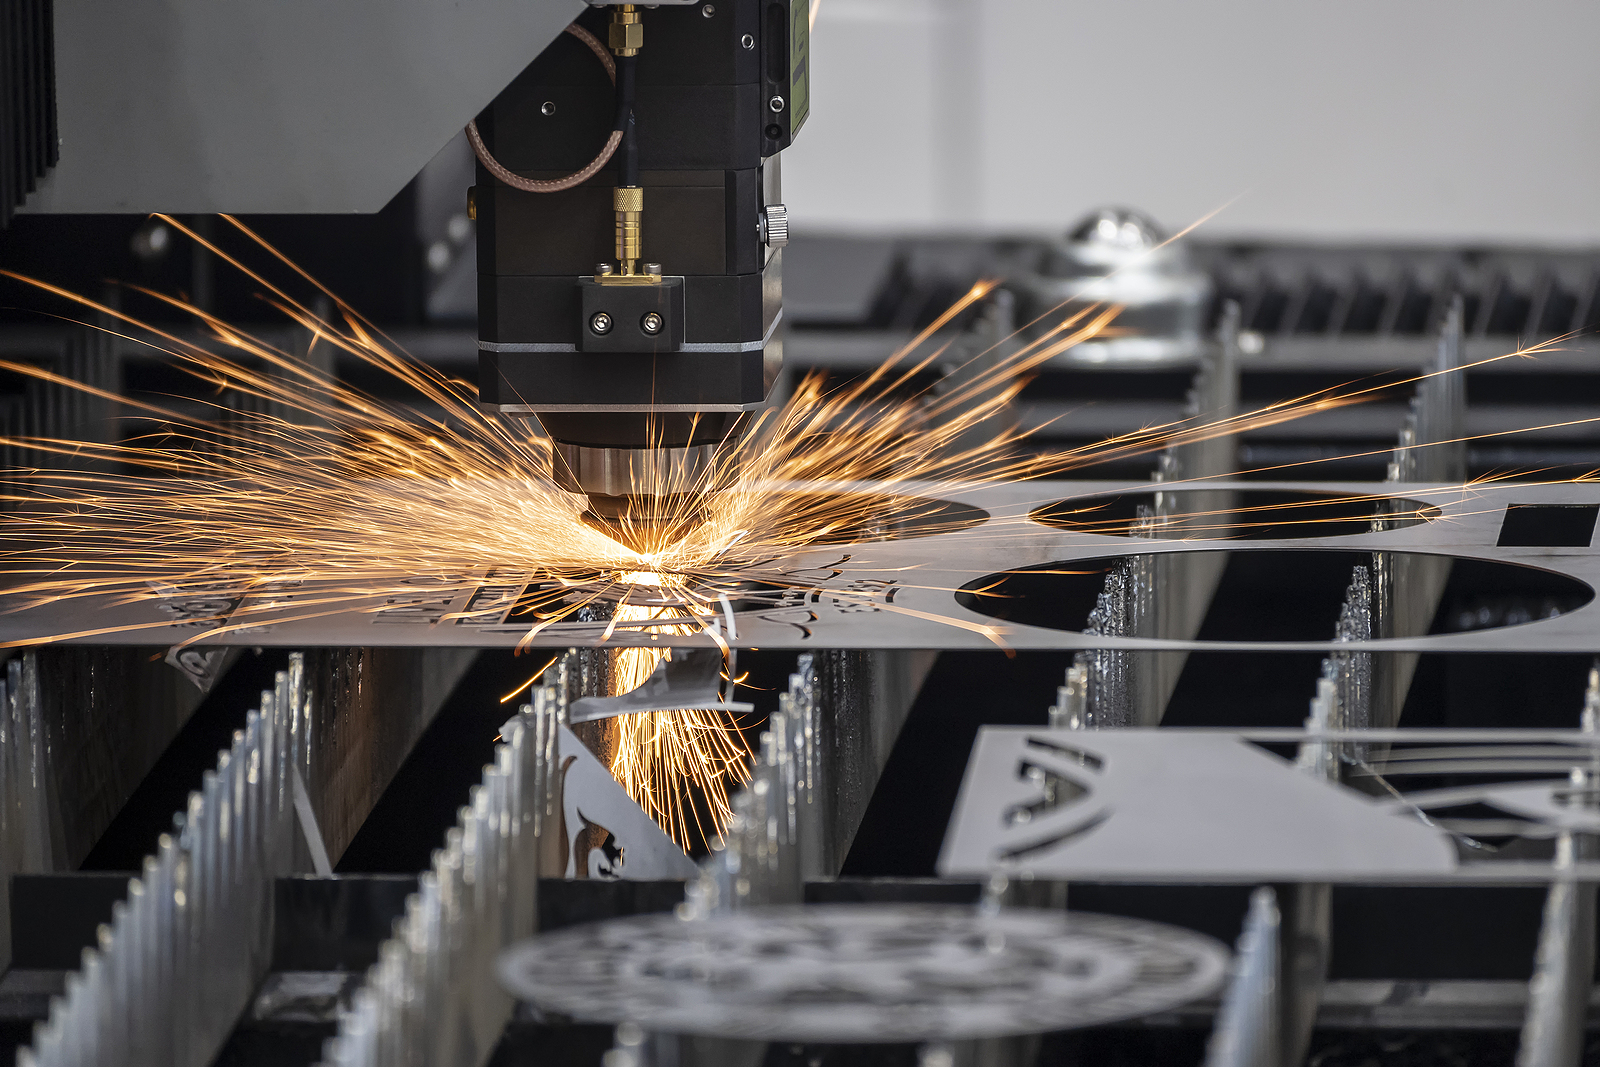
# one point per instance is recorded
(774, 225)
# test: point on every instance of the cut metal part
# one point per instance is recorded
(865, 973)
(690, 680)
(1146, 806)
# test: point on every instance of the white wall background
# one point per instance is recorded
(1435, 120)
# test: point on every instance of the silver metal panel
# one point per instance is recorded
(898, 594)
(1186, 805)
(293, 106)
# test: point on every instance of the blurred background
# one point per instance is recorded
(1400, 120)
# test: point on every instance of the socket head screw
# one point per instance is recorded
(548, 108)
(708, 10)
(600, 323)
(650, 324)
(776, 104)
(652, 268)
(748, 42)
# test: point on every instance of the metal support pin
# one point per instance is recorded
(1553, 1033)
(168, 977)
(1246, 1032)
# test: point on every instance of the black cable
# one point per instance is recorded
(628, 153)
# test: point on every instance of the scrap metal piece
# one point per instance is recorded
(604, 834)
(865, 973)
(1178, 805)
(691, 679)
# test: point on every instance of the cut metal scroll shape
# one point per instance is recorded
(1174, 804)
(865, 973)
(608, 834)
(691, 679)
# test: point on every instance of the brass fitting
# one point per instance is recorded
(626, 30)
(628, 201)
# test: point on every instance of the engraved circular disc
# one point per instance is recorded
(854, 973)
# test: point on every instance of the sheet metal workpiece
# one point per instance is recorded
(899, 594)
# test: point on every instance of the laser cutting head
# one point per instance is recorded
(642, 367)
(648, 488)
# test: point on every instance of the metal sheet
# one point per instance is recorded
(898, 594)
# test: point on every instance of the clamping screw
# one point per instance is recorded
(772, 225)
(601, 323)
(651, 323)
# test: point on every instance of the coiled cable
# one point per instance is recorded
(554, 185)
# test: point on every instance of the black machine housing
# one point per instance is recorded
(710, 80)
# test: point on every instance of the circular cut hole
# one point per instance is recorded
(1232, 514)
(1279, 594)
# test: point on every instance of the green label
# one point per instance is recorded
(799, 64)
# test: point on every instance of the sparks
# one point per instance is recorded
(334, 500)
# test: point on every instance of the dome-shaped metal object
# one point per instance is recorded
(1118, 227)
(1117, 257)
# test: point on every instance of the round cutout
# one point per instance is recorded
(1236, 514)
(1284, 594)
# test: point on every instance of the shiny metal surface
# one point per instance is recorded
(626, 472)
(1118, 257)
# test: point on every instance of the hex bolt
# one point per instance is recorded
(650, 324)
(548, 108)
(776, 104)
(601, 323)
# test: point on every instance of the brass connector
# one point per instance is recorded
(626, 31)
(628, 201)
